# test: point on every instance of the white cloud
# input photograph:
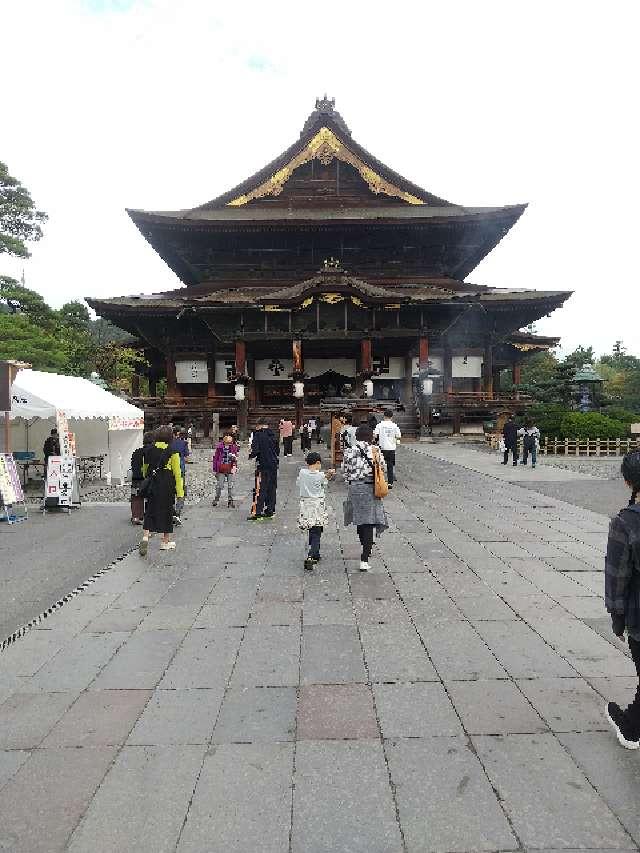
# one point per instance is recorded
(164, 105)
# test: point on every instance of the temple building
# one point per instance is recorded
(328, 275)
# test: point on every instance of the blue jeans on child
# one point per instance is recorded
(314, 541)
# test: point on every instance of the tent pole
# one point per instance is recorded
(7, 432)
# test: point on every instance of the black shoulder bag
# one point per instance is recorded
(145, 489)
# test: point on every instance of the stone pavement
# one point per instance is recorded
(218, 698)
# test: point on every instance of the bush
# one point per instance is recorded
(620, 414)
(557, 422)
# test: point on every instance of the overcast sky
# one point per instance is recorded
(165, 104)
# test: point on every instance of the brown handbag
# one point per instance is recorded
(380, 485)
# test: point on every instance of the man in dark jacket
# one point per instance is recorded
(510, 435)
(265, 450)
(51, 448)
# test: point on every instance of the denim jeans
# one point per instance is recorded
(220, 478)
(525, 454)
(314, 541)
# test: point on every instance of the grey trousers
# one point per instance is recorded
(220, 478)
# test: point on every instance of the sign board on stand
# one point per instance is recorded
(61, 484)
(11, 494)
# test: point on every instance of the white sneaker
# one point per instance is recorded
(364, 567)
(168, 546)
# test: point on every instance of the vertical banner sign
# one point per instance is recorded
(61, 470)
(10, 485)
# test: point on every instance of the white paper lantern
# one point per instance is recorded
(298, 389)
(239, 392)
(368, 388)
(427, 387)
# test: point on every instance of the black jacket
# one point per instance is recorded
(510, 433)
(137, 458)
(622, 568)
(265, 449)
(51, 446)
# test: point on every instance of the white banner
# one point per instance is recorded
(388, 367)
(274, 369)
(318, 366)
(466, 366)
(10, 485)
(435, 364)
(194, 371)
(120, 422)
(225, 369)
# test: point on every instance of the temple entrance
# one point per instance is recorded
(331, 384)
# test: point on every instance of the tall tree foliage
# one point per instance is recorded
(20, 220)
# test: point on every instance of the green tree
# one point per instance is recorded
(23, 340)
(74, 331)
(18, 299)
(19, 218)
(117, 364)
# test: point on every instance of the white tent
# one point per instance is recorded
(101, 422)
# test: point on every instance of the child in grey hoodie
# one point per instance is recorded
(312, 485)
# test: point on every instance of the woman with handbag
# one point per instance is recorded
(364, 471)
(225, 466)
(162, 485)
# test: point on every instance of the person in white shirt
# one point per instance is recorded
(387, 434)
(348, 432)
(530, 443)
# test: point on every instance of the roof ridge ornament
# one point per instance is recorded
(325, 106)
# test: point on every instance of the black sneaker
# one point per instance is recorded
(627, 734)
(309, 564)
(254, 518)
(214, 502)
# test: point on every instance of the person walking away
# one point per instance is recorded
(286, 434)
(319, 426)
(622, 595)
(347, 432)
(363, 508)
(312, 485)
(305, 438)
(51, 447)
(265, 450)
(225, 467)
(180, 445)
(387, 434)
(510, 435)
(162, 465)
(372, 421)
(137, 478)
(313, 425)
(530, 442)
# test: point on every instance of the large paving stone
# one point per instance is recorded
(548, 800)
(26, 657)
(331, 654)
(336, 712)
(280, 589)
(170, 617)
(116, 619)
(395, 653)
(99, 718)
(415, 710)
(257, 715)
(44, 801)
(78, 663)
(229, 615)
(334, 809)
(372, 585)
(326, 612)
(521, 651)
(11, 760)
(384, 611)
(276, 613)
(319, 587)
(27, 718)
(144, 593)
(142, 802)
(567, 704)
(205, 659)
(269, 657)
(188, 593)
(140, 663)
(242, 801)
(458, 652)
(493, 707)
(444, 798)
(613, 772)
(174, 717)
(483, 606)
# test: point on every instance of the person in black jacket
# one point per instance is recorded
(265, 450)
(622, 596)
(510, 435)
(137, 461)
(51, 448)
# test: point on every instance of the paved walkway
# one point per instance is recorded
(218, 699)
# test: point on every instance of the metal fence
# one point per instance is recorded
(580, 446)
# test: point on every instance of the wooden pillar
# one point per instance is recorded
(487, 368)
(241, 370)
(516, 378)
(447, 369)
(366, 357)
(172, 383)
(211, 377)
(298, 371)
(153, 385)
(423, 353)
(135, 385)
(496, 380)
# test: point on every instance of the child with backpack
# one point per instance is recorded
(312, 486)
(225, 467)
(622, 595)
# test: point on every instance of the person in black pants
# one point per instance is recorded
(622, 596)
(266, 451)
(510, 436)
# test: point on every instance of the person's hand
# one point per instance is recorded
(618, 624)
(331, 473)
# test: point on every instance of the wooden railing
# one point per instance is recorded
(579, 446)
(480, 399)
(204, 403)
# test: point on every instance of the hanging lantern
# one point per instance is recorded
(298, 390)
(368, 388)
(427, 387)
(239, 391)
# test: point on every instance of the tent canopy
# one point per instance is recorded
(35, 394)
